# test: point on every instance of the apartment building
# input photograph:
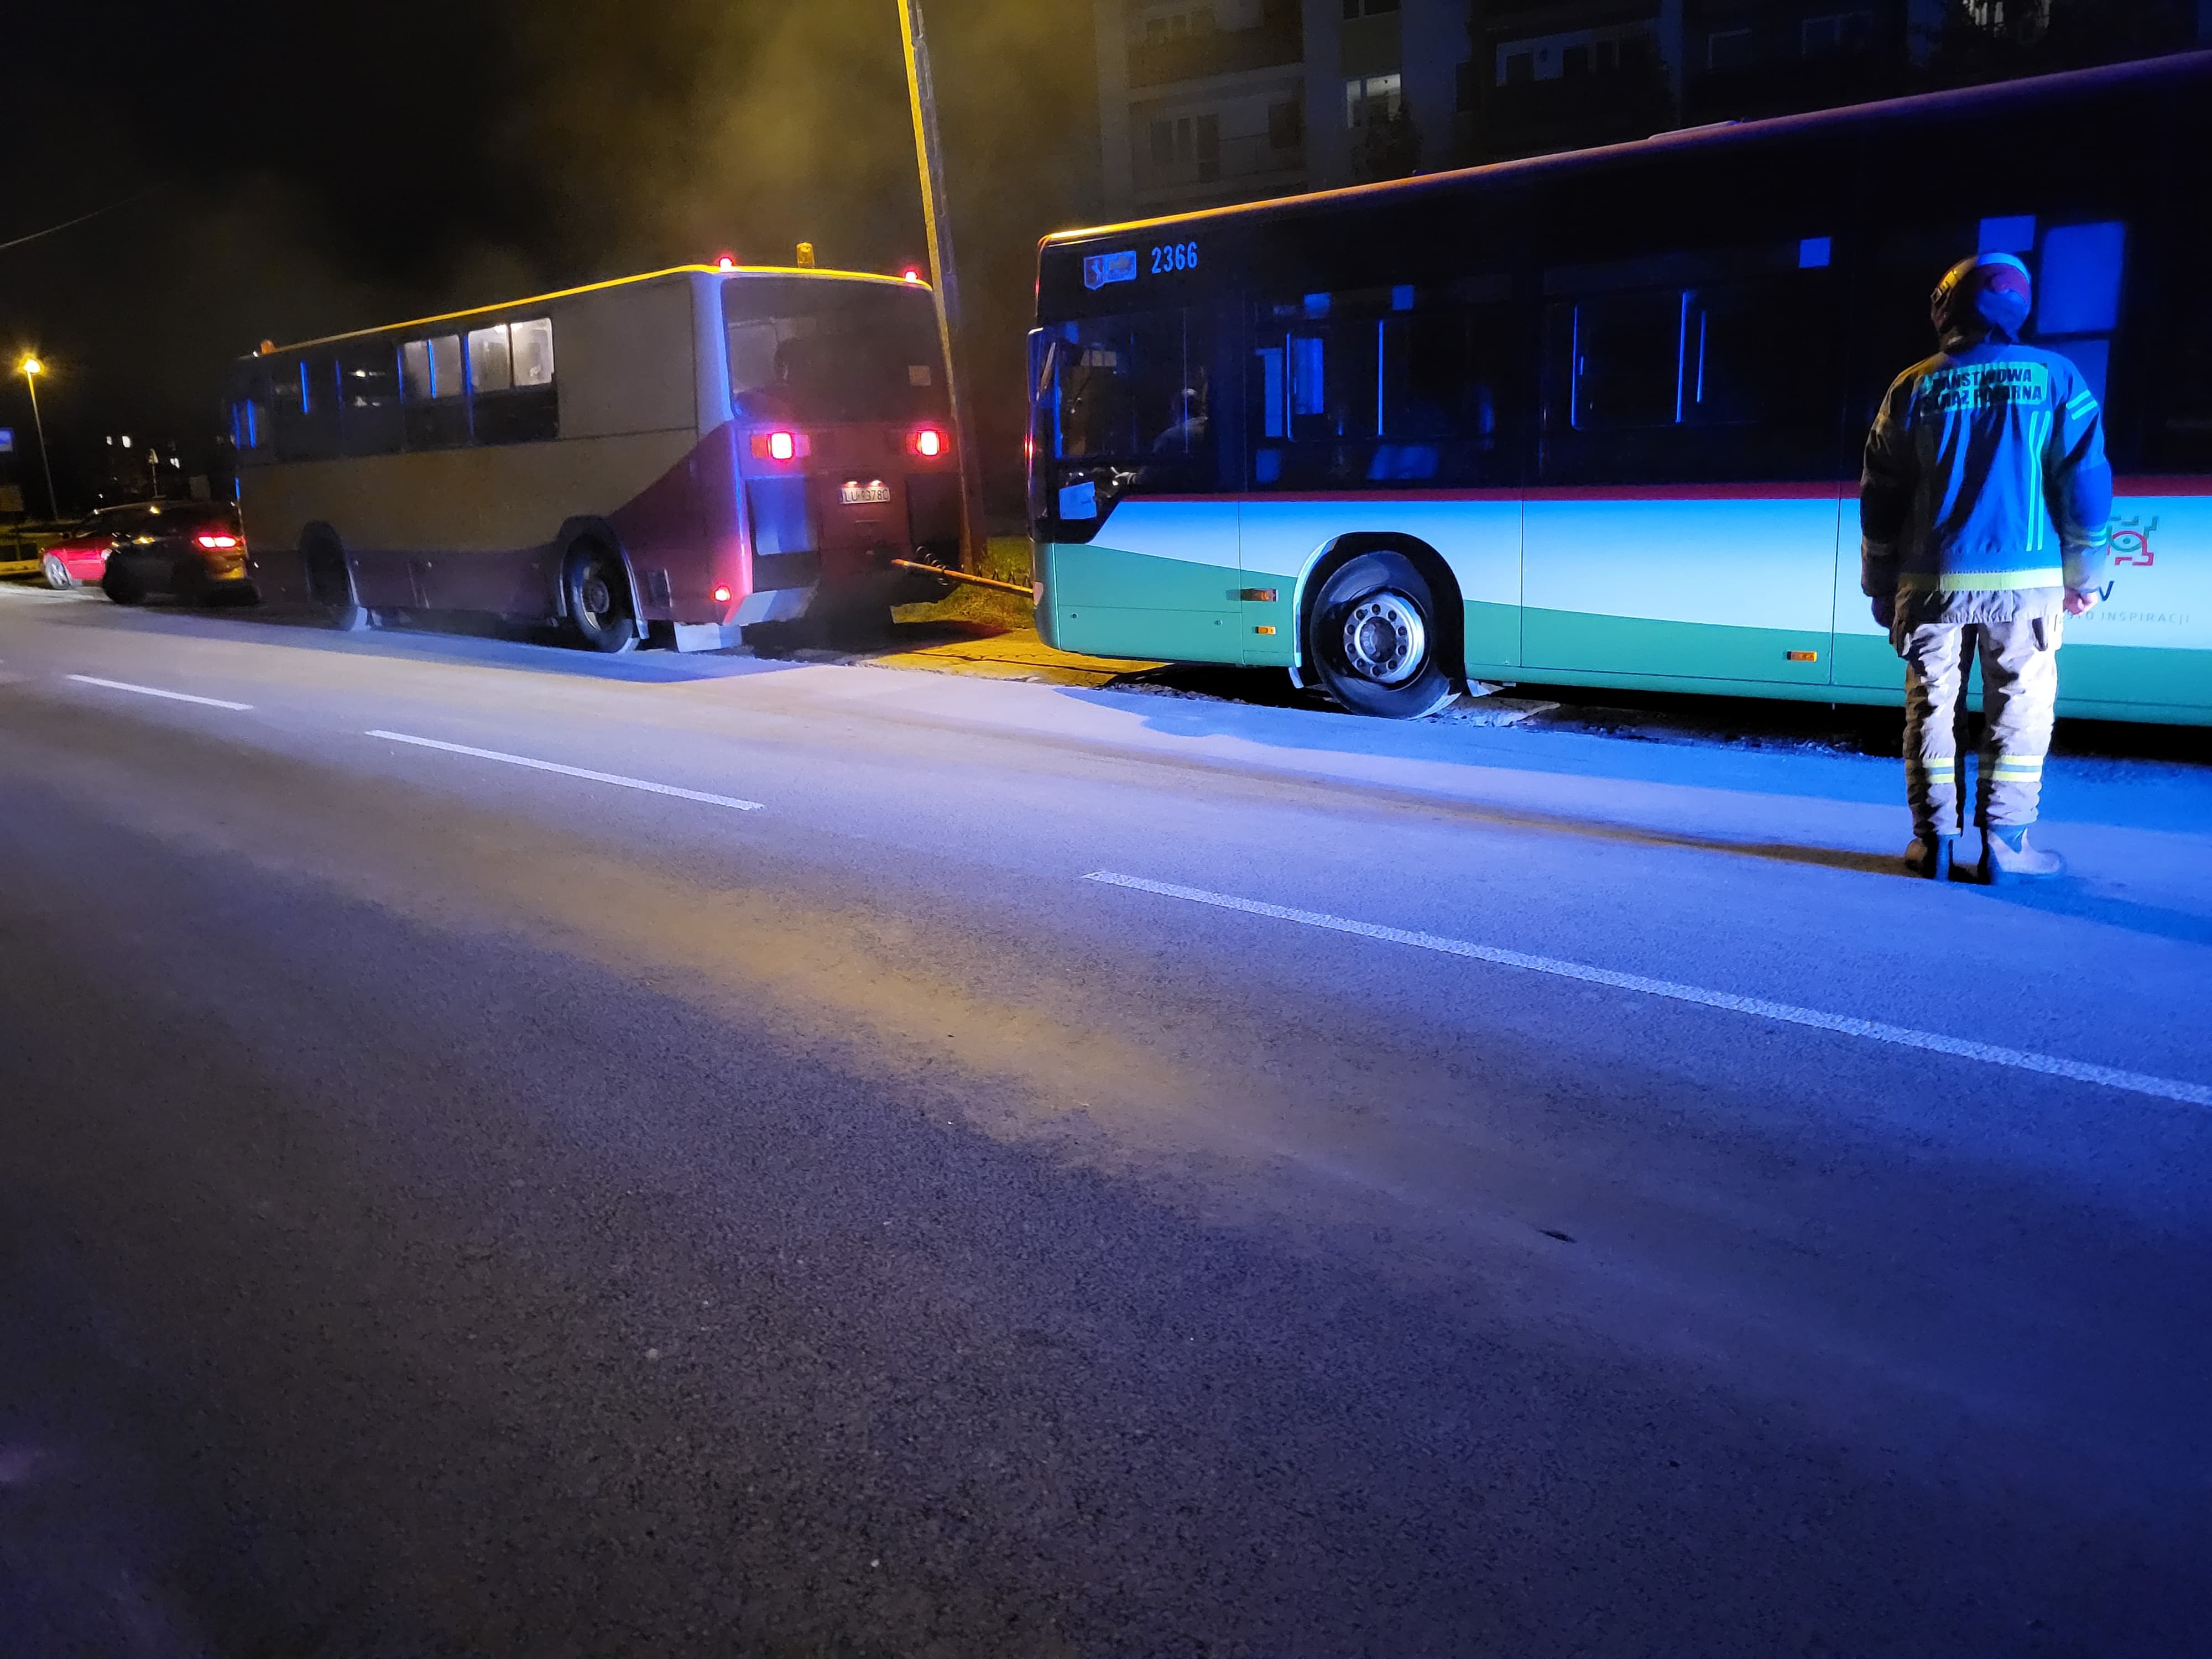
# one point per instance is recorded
(1207, 101)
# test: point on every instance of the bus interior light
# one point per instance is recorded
(928, 442)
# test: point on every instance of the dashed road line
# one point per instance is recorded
(156, 691)
(615, 778)
(2017, 1060)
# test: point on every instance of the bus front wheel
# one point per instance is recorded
(1371, 636)
(599, 601)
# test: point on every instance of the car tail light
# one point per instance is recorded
(721, 595)
(217, 541)
(781, 445)
(927, 441)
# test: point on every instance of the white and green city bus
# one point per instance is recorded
(1594, 419)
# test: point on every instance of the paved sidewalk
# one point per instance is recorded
(1015, 654)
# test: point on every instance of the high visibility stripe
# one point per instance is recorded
(2038, 433)
(1979, 582)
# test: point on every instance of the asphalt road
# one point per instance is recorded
(1452, 1191)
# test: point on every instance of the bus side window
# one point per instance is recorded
(286, 406)
(2077, 302)
(1624, 366)
(1694, 380)
(251, 426)
(1741, 355)
(1381, 389)
(368, 392)
(303, 409)
(431, 387)
(511, 391)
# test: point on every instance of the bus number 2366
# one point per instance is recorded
(1175, 256)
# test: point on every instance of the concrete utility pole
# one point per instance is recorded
(943, 284)
(32, 368)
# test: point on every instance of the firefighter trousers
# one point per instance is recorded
(2020, 691)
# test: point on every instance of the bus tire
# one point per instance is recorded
(1373, 637)
(599, 601)
(330, 586)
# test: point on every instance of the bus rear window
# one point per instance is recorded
(813, 348)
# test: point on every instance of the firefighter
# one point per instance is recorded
(1984, 516)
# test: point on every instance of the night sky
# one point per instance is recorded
(302, 170)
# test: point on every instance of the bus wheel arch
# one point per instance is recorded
(327, 574)
(598, 593)
(1382, 627)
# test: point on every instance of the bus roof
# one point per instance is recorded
(595, 287)
(2176, 65)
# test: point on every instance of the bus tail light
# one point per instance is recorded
(212, 541)
(721, 595)
(781, 445)
(927, 441)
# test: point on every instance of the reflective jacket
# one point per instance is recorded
(1986, 495)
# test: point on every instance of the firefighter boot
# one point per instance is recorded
(1929, 856)
(2007, 857)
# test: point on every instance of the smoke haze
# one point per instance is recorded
(357, 165)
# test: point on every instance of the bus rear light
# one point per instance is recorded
(781, 445)
(217, 541)
(721, 595)
(928, 442)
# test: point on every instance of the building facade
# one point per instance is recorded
(1207, 101)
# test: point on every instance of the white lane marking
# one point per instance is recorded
(574, 771)
(2019, 1060)
(156, 691)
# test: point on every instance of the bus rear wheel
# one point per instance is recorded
(330, 585)
(1371, 636)
(599, 601)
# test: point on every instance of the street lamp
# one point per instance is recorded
(32, 368)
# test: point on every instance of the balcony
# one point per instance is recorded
(1209, 52)
(1750, 92)
(1537, 117)
(1231, 169)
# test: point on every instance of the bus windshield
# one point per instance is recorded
(807, 348)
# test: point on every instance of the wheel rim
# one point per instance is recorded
(57, 574)
(594, 598)
(1385, 638)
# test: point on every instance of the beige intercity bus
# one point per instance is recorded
(673, 457)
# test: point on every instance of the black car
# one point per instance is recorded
(195, 550)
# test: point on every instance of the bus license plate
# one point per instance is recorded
(861, 495)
